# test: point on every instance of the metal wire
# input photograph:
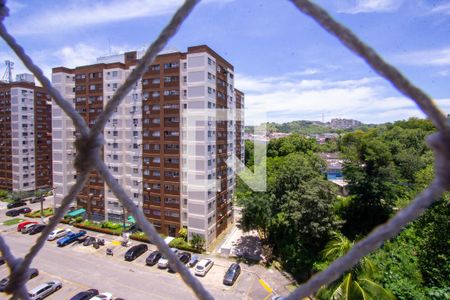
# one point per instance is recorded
(89, 142)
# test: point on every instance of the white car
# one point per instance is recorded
(45, 289)
(163, 262)
(57, 233)
(102, 296)
(203, 267)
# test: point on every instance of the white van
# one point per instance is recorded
(45, 289)
(57, 233)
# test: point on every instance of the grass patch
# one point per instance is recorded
(98, 227)
(37, 213)
(13, 221)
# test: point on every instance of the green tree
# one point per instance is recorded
(359, 283)
(183, 233)
(198, 242)
(256, 213)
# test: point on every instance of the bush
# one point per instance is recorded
(140, 236)
(181, 244)
(90, 226)
(4, 194)
(111, 225)
(78, 219)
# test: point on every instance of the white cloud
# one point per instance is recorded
(85, 13)
(366, 99)
(371, 6)
(441, 9)
(77, 14)
(430, 57)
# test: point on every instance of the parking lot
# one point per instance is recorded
(81, 267)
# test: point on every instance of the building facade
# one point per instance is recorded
(148, 139)
(25, 136)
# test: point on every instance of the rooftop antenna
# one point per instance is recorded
(7, 76)
(323, 117)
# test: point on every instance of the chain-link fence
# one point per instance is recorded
(89, 142)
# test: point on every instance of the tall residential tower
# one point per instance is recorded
(148, 141)
(25, 136)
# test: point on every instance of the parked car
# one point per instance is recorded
(153, 258)
(4, 282)
(85, 295)
(232, 274)
(24, 210)
(23, 224)
(12, 213)
(103, 296)
(37, 199)
(57, 233)
(135, 251)
(16, 204)
(81, 239)
(109, 251)
(184, 257)
(45, 289)
(163, 262)
(203, 267)
(69, 238)
(28, 227)
(89, 241)
(36, 229)
(194, 260)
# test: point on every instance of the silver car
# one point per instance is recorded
(45, 289)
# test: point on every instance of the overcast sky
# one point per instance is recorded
(285, 63)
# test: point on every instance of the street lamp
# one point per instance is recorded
(41, 198)
(91, 195)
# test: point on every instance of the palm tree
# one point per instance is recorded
(358, 284)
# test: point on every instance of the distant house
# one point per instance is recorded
(334, 171)
(322, 138)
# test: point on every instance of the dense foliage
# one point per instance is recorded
(303, 127)
(300, 216)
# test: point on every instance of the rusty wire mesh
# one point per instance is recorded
(89, 141)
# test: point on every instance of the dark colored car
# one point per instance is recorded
(82, 239)
(36, 229)
(184, 257)
(232, 274)
(2, 261)
(16, 204)
(24, 210)
(135, 251)
(153, 258)
(12, 213)
(89, 241)
(4, 282)
(85, 295)
(194, 260)
(38, 199)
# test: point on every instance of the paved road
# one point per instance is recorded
(81, 268)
